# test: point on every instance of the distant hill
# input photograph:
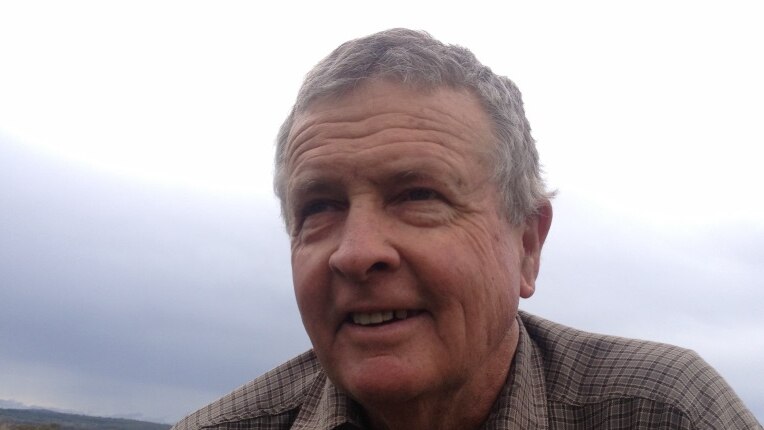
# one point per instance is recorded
(32, 419)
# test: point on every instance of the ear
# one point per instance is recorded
(535, 230)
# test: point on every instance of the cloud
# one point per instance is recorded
(122, 299)
(110, 283)
(700, 289)
(112, 289)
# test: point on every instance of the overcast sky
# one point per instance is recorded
(143, 267)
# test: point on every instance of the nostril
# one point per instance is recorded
(378, 267)
(359, 256)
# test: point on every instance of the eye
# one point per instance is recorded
(316, 207)
(419, 194)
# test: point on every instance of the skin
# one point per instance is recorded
(391, 207)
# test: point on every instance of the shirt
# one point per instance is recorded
(560, 378)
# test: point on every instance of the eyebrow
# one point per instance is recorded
(413, 176)
(314, 186)
(324, 185)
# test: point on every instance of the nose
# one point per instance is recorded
(365, 247)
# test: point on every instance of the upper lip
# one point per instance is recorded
(377, 307)
(373, 300)
(371, 310)
(347, 313)
(378, 310)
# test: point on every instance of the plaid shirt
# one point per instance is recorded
(561, 378)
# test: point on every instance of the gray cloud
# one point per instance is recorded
(135, 285)
(124, 299)
(702, 289)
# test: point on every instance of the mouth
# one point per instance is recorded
(379, 318)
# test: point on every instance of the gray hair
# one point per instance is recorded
(416, 59)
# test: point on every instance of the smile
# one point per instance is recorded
(373, 318)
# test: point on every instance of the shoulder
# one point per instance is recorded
(583, 366)
(584, 369)
(276, 396)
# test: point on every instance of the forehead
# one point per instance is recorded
(391, 112)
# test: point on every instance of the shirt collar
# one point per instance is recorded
(521, 403)
(327, 408)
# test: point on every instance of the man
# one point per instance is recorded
(411, 191)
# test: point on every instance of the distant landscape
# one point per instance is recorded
(40, 419)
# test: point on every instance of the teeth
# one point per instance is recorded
(378, 317)
(362, 319)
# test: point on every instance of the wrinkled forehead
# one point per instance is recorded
(382, 105)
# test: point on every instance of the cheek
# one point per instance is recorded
(493, 279)
(311, 287)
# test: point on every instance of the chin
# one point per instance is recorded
(382, 380)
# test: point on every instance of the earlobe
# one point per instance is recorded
(527, 289)
(534, 235)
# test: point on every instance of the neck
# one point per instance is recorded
(464, 407)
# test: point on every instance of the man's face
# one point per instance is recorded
(406, 271)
